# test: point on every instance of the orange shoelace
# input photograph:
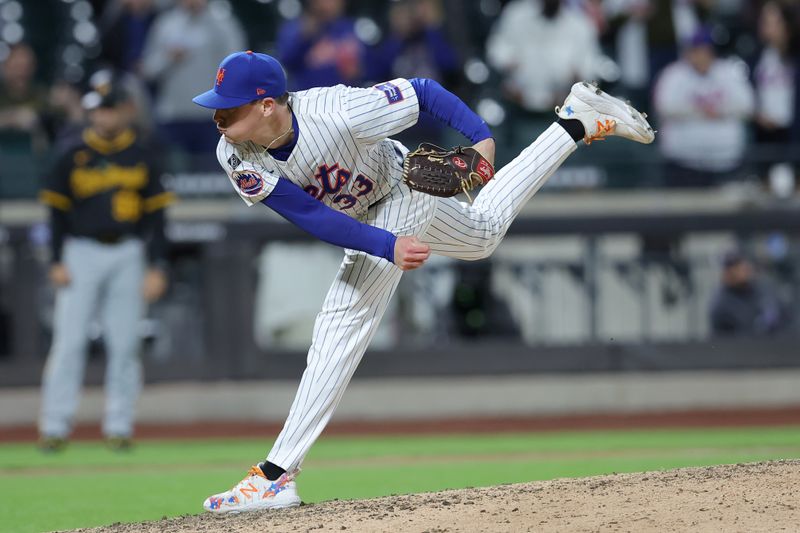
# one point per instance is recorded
(255, 471)
(603, 130)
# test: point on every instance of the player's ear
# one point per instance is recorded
(267, 106)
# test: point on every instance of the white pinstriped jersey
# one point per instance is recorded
(342, 156)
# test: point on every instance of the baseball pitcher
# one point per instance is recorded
(323, 159)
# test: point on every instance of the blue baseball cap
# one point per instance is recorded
(702, 36)
(243, 77)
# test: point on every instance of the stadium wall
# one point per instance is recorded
(419, 398)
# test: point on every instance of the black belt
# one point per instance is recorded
(109, 239)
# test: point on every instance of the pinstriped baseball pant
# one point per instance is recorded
(364, 284)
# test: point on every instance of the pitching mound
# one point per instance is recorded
(745, 497)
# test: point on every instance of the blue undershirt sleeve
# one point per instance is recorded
(449, 109)
(326, 224)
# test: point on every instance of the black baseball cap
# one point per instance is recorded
(105, 91)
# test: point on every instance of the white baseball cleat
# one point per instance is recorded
(603, 115)
(254, 493)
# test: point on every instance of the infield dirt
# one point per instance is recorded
(733, 498)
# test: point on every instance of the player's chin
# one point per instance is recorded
(229, 137)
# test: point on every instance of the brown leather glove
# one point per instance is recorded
(440, 172)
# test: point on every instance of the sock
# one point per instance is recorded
(573, 127)
(271, 470)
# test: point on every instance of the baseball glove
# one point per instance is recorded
(434, 170)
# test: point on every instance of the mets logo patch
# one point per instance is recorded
(220, 76)
(392, 92)
(249, 182)
(234, 161)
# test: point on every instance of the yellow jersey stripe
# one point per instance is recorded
(55, 199)
(109, 146)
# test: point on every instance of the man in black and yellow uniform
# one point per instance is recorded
(107, 221)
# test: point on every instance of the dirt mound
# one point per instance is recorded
(745, 497)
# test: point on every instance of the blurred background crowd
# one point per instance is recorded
(688, 238)
(719, 78)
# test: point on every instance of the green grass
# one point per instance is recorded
(88, 485)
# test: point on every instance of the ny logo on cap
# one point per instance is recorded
(220, 76)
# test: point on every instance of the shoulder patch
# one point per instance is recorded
(392, 92)
(249, 182)
(234, 161)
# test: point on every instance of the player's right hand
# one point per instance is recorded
(154, 285)
(59, 275)
(410, 252)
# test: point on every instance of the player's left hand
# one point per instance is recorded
(154, 285)
(486, 149)
(410, 252)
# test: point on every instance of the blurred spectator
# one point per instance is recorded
(185, 44)
(542, 48)
(703, 104)
(645, 35)
(594, 10)
(22, 100)
(124, 26)
(64, 116)
(642, 35)
(744, 305)
(775, 75)
(416, 46)
(105, 198)
(320, 47)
